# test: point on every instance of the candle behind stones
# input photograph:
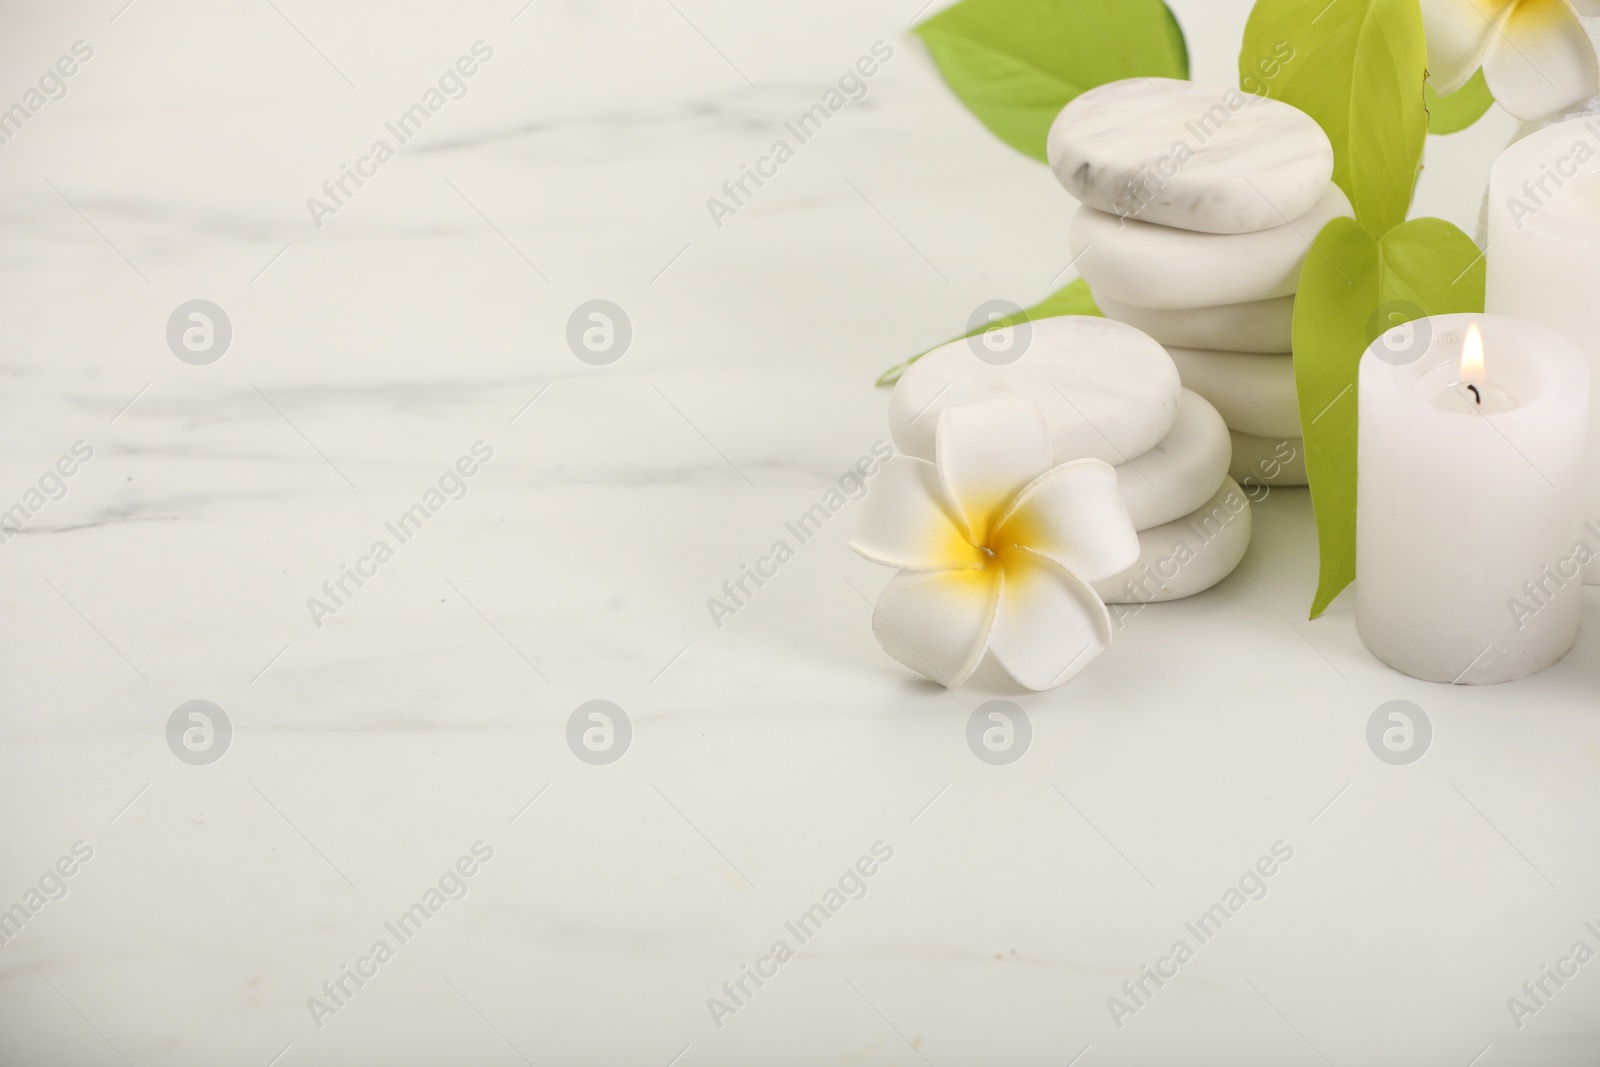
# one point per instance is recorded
(1544, 251)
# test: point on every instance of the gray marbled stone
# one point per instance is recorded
(1190, 156)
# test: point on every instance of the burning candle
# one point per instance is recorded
(1469, 552)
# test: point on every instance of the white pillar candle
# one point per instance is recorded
(1544, 251)
(1469, 497)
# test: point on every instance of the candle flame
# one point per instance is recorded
(1472, 355)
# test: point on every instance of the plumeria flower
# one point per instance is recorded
(1535, 54)
(996, 549)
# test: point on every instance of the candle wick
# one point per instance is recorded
(1476, 395)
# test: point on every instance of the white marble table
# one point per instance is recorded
(369, 754)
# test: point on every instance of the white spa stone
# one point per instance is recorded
(1191, 156)
(1265, 326)
(1106, 390)
(1158, 267)
(1276, 461)
(1187, 556)
(1180, 473)
(1254, 393)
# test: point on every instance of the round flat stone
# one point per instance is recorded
(1279, 461)
(1254, 393)
(1106, 390)
(1190, 156)
(1180, 473)
(1265, 326)
(1151, 266)
(1188, 556)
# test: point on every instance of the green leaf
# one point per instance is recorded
(1075, 299)
(1017, 63)
(1454, 113)
(1353, 288)
(1357, 67)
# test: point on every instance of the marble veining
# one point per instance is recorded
(767, 754)
(1190, 156)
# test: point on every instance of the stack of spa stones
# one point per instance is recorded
(1107, 391)
(1199, 207)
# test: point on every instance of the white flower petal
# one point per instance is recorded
(987, 452)
(1075, 516)
(938, 622)
(1459, 35)
(906, 523)
(1050, 624)
(1542, 61)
